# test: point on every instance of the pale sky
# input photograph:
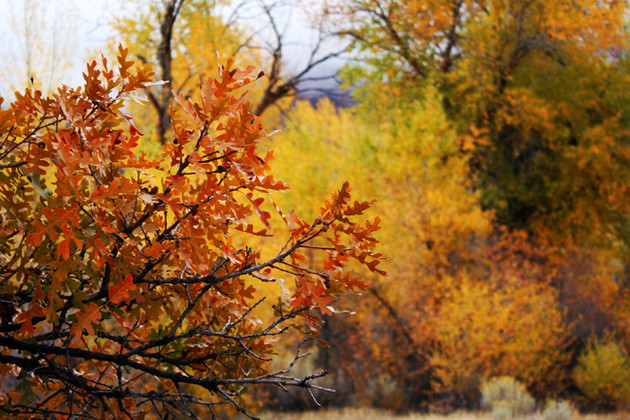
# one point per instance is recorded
(78, 26)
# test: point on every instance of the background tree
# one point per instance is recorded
(531, 78)
(408, 156)
(128, 283)
(503, 164)
(181, 39)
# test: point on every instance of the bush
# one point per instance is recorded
(487, 331)
(558, 410)
(603, 374)
(506, 398)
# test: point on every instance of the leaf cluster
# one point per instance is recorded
(128, 286)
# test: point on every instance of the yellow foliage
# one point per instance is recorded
(485, 331)
(603, 373)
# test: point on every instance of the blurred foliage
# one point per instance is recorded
(603, 374)
(508, 329)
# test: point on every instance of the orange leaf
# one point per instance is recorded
(91, 314)
(121, 292)
(63, 249)
(264, 215)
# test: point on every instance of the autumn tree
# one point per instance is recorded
(409, 157)
(501, 316)
(532, 81)
(182, 54)
(495, 137)
(536, 89)
(128, 286)
(181, 39)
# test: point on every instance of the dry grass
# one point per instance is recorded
(371, 414)
(365, 414)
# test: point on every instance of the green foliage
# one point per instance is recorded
(507, 398)
(603, 373)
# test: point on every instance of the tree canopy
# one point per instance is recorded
(128, 285)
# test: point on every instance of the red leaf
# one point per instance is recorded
(264, 215)
(121, 292)
(91, 314)
(63, 249)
